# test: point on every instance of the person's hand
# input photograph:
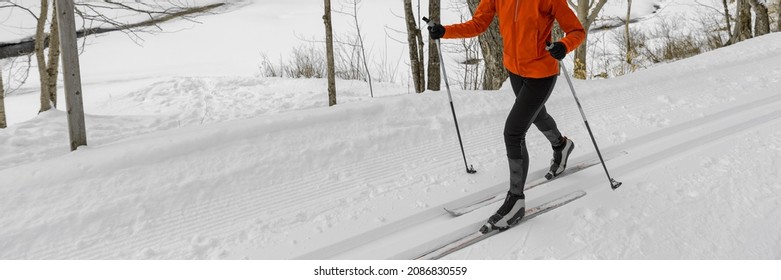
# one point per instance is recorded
(436, 31)
(557, 50)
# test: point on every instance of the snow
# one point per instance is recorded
(193, 156)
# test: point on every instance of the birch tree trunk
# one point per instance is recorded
(762, 19)
(48, 68)
(329, 54)
(40, 36)
(491, 46)
(416, 60)
(52, 69)
(434, 80)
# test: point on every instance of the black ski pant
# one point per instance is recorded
(529, 107)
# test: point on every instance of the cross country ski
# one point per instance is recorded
(463, 209)
(477, 236)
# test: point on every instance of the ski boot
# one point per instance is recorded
(508, 215)
(560, 156)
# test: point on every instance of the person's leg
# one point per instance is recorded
(547, 125)
(562, 146)
(531, 95)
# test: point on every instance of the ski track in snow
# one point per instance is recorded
(728, 236)
(230, 211)
(683, 130)
(194, 168)
(653, 155)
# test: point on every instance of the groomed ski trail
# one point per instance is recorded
(432, 227)
(245, 216)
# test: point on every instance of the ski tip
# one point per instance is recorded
(451, 212)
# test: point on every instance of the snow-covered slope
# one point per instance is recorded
(197, 159)
(366, 179)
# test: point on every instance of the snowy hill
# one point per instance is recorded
(700, 177)
(233, 167)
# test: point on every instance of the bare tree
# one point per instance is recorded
(421, 45)
(77, 129)
(587, 11)
(3, 123)
(472, 78)
(53, 66)
(761, 18)
(626, 31)
(91, 13)
(329, 54)
(354, 15)
(434, 80)
(742, 29)
(18, 72)
(727, 17)
(414, 39)
(491, 47)
(47, 70)
(387, 68)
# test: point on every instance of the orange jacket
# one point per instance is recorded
(525, 26)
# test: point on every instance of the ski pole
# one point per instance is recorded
(469, 169)
(613, 183)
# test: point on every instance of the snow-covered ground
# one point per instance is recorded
(195, 157)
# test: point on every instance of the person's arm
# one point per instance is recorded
(569, 24)
(479, 23)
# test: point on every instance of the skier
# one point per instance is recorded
(525, 27)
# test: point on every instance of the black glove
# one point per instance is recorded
(436, 31)
(558, 50)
